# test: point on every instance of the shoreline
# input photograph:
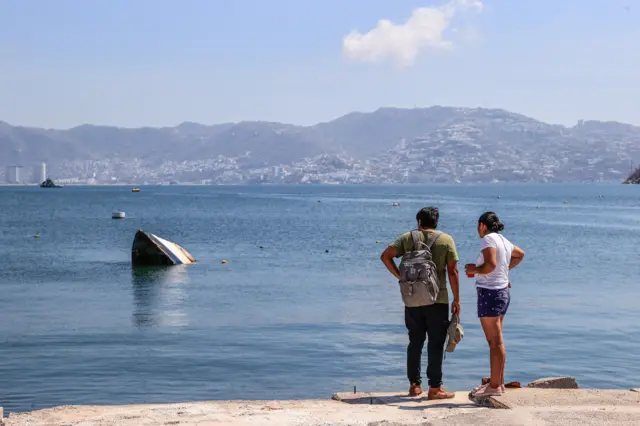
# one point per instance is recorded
(508, 183)
(549, 401)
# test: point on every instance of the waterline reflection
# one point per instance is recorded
(159, 296)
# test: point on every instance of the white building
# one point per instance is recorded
(13, 174)
(39, 173)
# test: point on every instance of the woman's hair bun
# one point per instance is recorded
(491, 220)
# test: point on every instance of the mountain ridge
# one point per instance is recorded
(353, 113)
(440, 143)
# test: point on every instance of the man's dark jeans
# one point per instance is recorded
(432, 322)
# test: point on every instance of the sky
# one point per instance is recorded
(138, 63)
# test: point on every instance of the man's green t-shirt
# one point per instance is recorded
(443, 250)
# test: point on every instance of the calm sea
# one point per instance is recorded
(291, 320)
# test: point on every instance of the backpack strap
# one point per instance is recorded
(417, 241)
(416, 236)
(433, 239)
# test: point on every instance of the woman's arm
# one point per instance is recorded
(488, 265)
(516, 257)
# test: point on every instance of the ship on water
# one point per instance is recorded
(634, 177)
(49, 184)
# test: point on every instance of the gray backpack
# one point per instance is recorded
(419, 283)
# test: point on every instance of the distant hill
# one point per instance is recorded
(422, 144)
(269, 142)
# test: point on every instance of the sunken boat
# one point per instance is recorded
(150, 250)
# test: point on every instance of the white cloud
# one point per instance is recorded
(424, 30)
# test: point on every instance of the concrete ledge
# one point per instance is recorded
(531, 397)
(553, 401)
(405, 412)
(526, 406)
(554, 383)
(358, 398)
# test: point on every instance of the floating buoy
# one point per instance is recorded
(224, 262)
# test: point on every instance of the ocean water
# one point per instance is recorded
(290, 320)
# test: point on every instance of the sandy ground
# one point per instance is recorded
(527, 407)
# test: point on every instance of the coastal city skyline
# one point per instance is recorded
(19, 174)
(389, 145)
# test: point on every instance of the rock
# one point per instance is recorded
(491, 402)
(554, 383)
(635, 390)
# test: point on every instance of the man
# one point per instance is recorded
(428, 321)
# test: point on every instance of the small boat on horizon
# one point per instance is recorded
(135, 189)
(49, 184)
(118, 215)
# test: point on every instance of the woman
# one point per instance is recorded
(498, 255)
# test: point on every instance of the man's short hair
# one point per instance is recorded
(428, 217)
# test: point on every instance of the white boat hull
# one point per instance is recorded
(149, 249)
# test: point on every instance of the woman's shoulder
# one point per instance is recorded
(508, 242)
(500, 240)
(490, 240)
(491, 237)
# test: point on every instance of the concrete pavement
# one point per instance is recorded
(566, 407)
